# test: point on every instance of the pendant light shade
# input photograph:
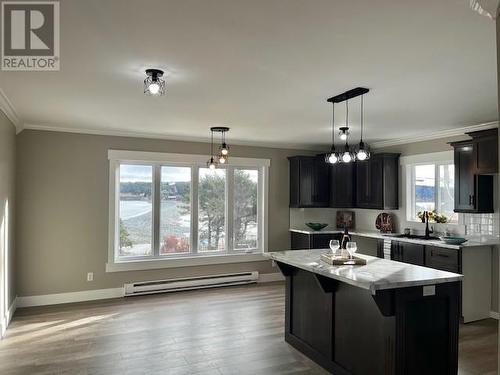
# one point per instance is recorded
(332, 157)
(362, 153)
(344, 133)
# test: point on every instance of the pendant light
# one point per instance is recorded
(347, 155)
(363, 153)
(224, 148)
(332, 157)
(211, 163)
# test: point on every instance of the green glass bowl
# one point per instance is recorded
(452, 240)
(316, 226)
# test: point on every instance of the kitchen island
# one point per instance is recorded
(385, 317)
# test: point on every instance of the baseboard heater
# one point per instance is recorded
(189, 283)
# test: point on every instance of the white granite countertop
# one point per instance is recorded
(476, 241)
(377, 274)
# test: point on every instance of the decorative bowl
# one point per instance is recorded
(316, 226)
(452, 240)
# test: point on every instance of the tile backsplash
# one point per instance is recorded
(481, 224)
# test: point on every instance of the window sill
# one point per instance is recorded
(182, 262)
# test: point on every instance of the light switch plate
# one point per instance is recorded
(429, 290)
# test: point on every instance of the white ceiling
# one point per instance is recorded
(265, 68)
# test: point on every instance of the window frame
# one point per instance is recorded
(437, 159)
(195, 162)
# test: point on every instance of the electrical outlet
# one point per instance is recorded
(90, 276)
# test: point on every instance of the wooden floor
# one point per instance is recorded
(236, 330)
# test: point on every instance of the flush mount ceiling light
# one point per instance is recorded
(363, 153)
(154, 84)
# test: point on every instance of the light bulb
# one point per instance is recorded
(362, 155)
(154, 88)
(222, 159)
(346, 157)
(224, 151)
(343, 136)
(333, 158)
(211, 165)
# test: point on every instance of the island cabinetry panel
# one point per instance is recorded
(349, 331)
(309, 181)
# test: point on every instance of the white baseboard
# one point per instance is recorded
(5, 321)
(270, 277)
(494, 315)
(97, 294)
(56, 299)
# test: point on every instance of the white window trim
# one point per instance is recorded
(157, 158)
(436, 158)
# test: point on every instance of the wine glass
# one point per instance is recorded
(351, 248)
(334, 245)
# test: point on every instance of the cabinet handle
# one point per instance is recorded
(473, 200)
(470, 199)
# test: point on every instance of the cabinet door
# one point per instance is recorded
(294, 182)
(369, 185)
(412, 253)
(320, 183)
(465, 177)
(300, 241)
(442, 259)
(342, 185)
(322, 241)
(487, 155)
(306, 170)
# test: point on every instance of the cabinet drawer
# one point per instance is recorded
(442, 258)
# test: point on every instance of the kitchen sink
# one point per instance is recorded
(412, 236)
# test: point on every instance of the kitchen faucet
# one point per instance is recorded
(425, 219)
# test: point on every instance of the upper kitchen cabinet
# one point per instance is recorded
(485, 148)
(377, 181)
(475, 160)
(343, 185)
(309, 181)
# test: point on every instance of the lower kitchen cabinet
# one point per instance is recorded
(408, 252)
(300, 241)
(442, 259)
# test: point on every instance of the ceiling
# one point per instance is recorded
(264, 68)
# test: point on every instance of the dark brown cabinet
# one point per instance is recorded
(343, 185)
(442, 259)
(408, 252)
(377, 182)
(318, 240)
(474, 161)
(309, 181)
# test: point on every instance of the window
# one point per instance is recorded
(431, 188)
(165, 206)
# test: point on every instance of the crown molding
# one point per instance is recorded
(7, 108)
(434, 135)
(167, 137)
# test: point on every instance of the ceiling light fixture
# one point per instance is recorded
(332, 157)
(154, 84)
(347, 155)
(223, 155)
(344, 133)
(363, 153)
(211, 163)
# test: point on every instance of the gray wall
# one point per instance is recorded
(63, 182)
(7, 189)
